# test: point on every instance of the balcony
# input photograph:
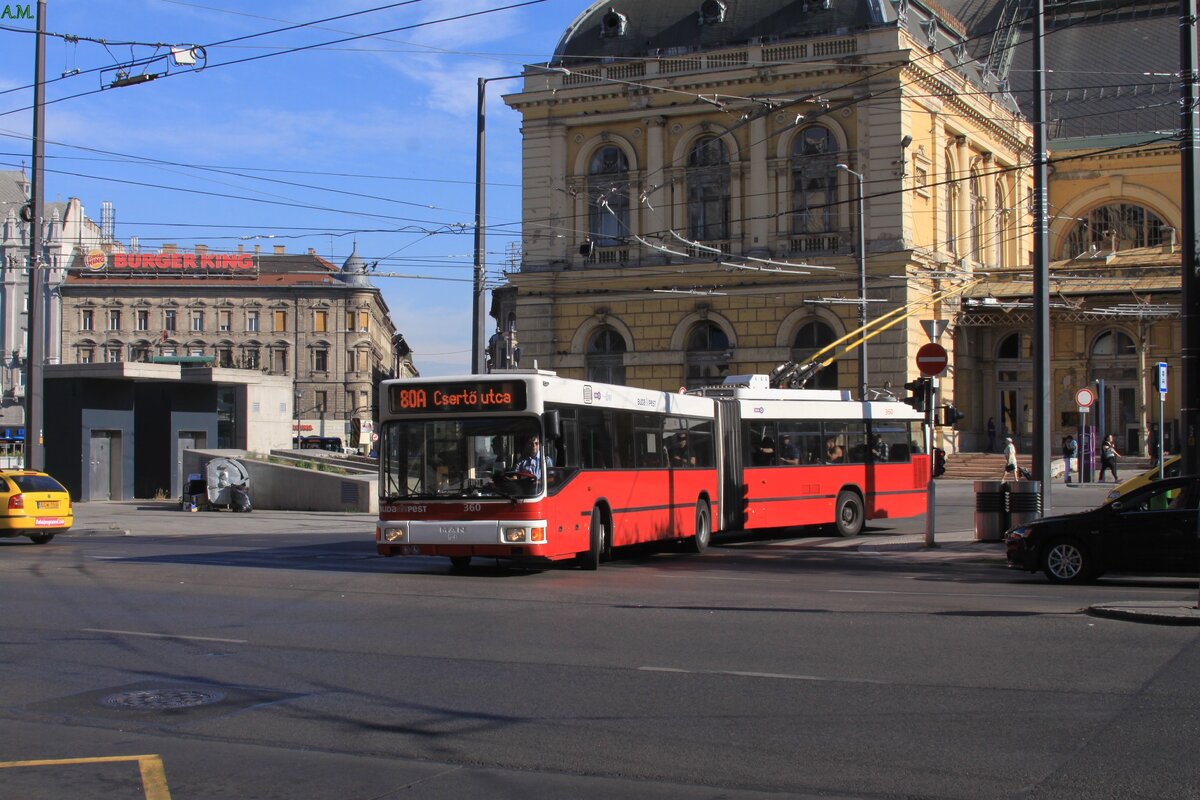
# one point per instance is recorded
(815, 243)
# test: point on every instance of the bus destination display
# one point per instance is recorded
(459, 396)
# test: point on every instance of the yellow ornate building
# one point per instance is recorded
(690, 204)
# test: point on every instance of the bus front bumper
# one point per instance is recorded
(500, 538)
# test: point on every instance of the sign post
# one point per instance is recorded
(1084, 398)
(931, 362)
(1161, 379)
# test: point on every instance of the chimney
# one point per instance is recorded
(201, 249)
(169, 247)
(241, 248)
(280, 249)
(312, 251)
(257, 249)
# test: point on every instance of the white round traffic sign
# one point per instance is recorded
(1085, 397)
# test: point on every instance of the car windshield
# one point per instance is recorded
(36, 483)
(457, 458)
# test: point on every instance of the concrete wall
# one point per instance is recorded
(276, 486)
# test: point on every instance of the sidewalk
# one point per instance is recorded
(164, 517)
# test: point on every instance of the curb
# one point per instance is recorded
(1151, 612)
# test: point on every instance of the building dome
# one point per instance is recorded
(354, 271)
(647, 28)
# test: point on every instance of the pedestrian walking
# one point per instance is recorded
(1010, 459)
(991, 434)
(1108, 458)
(1069, 448)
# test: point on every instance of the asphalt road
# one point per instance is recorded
(221, 662)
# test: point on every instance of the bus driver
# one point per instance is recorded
(532, 462)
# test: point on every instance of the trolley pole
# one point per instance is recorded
(35, 351)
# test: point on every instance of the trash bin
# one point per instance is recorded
(1024, 502)
(223, 474)
(991, 510)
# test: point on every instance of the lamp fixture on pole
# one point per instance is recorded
(861, 252)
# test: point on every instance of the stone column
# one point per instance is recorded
(758, 190)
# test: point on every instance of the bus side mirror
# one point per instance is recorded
(552, 424)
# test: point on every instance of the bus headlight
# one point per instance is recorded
(523, 535)
(394, 534)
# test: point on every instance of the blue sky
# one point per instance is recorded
(371, 140)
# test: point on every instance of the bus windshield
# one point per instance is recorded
(458, 458)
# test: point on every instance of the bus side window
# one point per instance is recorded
(648, 440)
(702, 446)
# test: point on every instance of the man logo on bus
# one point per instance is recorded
(587, 394)
(95, 260)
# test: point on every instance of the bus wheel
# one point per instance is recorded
(40, 538)
(597, 542)
(459, 563)
(848, 513)
(703, 527)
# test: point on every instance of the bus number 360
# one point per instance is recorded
(472, 506)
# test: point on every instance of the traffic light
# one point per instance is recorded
(919, 393)
(949, 415)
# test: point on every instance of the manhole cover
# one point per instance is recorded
(154, 699)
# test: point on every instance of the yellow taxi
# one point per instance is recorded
(1170, 467)
(33, 504)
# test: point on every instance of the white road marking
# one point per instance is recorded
(166, 636)
(932, 594)
(769, 675)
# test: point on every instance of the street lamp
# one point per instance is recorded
(478, 313)
(861, 251)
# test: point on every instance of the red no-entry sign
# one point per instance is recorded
(932, 359)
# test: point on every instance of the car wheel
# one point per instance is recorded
(597, 542)
(1067, 561)
(703, 528)
(848, 513)
(459, 563)
(41, 538)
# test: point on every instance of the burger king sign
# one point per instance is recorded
(95, 260)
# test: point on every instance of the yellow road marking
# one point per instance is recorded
(154, 776)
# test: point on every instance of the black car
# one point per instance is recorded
(1151, 529)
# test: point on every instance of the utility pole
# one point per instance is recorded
(1189, 384)
(478, 312)
(35, 351)
(1041, 266)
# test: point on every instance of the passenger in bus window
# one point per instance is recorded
(833, 451)
(788, 452)
(879, 448)
(764, 454)
(677, 450)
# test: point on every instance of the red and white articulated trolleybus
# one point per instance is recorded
(459, 475)
(816, 457)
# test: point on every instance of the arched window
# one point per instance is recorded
(606, 356)
(814, 181)
(1128, 224)
(810, 338)
(708, 355)
(608, 197)
(1010, 347)
(951, 194)
(978, 212)
(708, 191)
(1113, 344)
